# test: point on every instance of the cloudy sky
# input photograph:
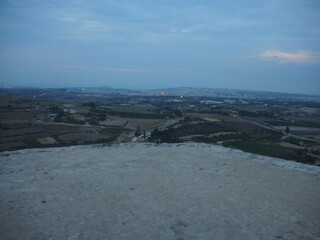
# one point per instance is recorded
(271, 45)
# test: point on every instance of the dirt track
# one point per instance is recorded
(143, 191)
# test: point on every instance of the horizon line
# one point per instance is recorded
(156, 89)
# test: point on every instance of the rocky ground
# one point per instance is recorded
(147, 191)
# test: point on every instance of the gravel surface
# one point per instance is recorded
(147, 191)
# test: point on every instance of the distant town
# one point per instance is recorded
(272, 124)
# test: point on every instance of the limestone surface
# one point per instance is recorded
(148, 191)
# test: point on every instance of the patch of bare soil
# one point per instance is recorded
(47, 140)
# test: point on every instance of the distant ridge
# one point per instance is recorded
(178, 91)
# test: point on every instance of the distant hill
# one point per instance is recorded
(179, 91)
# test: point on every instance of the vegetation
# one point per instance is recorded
(202, 128)
(113, 130)
(277, 122)
(165, 136)
(287, 129)
(32, 143)
(298, 142)
(266, 114)
(204, 139)
(270, 150)
(89, 104)
(139, 115)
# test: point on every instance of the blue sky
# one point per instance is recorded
(269, 45)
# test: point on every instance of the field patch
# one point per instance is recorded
(47, 140)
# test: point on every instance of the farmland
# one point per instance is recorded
(278, 127)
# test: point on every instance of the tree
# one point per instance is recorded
(168, 136)
(89, 104)
(138, 131)
(155, 133)
(287, 130)
(309, 159)
(102, 117)
(178, 113)
(93, 121)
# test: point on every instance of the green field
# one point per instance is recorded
(225, 137)
(139, 115)
(114, 130)
(257, 148)
(103, 112)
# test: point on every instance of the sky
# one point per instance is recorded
(270, 45)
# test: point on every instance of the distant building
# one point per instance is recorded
(70, 110)
(173, 100)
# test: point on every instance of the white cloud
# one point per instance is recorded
(186, 31)
(299, 57)
(86, 24)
